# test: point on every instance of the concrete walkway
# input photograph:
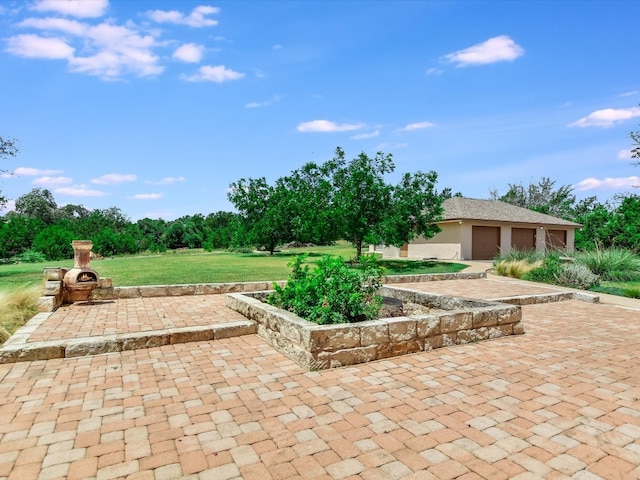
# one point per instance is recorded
(561, 401)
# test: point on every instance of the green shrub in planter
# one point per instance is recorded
(333, 292)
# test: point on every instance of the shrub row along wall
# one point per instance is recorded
(315, 347)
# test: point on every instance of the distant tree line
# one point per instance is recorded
(607, 224)
(38, 224)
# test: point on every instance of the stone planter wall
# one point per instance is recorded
(315, 347)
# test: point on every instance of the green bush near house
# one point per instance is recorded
(611, 264)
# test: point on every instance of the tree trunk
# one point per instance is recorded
(358, 249)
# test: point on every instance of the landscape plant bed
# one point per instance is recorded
(449, 321)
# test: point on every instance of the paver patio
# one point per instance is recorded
(561, 401)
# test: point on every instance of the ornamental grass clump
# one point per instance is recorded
(333, 292)
(17, 306)
(611, 264)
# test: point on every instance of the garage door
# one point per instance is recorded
(556, 239)
(485, 242)
(523, 238)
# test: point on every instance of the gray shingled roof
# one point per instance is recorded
(460, 208)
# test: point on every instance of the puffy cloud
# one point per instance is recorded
(51, 181)
(33, 172)
(496, 49)
(607, 117)
(328, 126)
(74, 8)
(433, 71)
(607, 183)
(417, 126)
(168, 181)
(217, 74)
(146, 196)
(34, 46)
(197, 18)
(10, 206)
(114, 178)
(189, 53)
(79, 191)
(362, 136)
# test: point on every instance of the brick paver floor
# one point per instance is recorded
(134, 315)
(481, 289)
(561, 401)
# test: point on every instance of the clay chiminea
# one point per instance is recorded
(80, 281)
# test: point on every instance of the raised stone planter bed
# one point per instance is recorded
(453, 321)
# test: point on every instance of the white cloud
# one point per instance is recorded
(327, 126)
(607, 117)
(496, 49)
(107, 50)
(74, 8)
(189, 53)
(146, 196)
(362, 136)
(265, 103)
(197, 18)
(79, 191)
(630, 94)
(217, 74)
(607, 183)
(433, 71)
(624, 154)
(277, 47)
(114, 178)
(168, 181)
(34, 46)
(417, 126)
(51, 181)
(34, 172)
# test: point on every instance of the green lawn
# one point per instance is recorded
(198, 266)
(624, 289)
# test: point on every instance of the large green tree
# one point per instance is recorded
(265, 211)
(38, 203)
(542, 197)
(339, 199)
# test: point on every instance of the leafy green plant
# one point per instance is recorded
(632, 292)
(547, 272)
(616, 264)
(332, 292)
(576, 276)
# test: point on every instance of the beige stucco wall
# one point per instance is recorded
(454, 242)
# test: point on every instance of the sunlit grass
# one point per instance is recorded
(17, 306)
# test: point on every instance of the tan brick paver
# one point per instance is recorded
(110, 317)
(561, 401)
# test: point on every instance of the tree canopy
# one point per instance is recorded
(542, 197)
(344, 199)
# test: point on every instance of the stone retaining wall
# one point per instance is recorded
(318, 347)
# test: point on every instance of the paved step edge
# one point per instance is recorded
(79, 347)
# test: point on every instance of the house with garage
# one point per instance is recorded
(473, 229)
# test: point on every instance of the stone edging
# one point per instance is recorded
(318, 347)
(17, 348)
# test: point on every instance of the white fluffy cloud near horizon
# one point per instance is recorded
(496, 49)
(417, 126)
(607, 183)
(74, 8)
(47, 181)
(607, 117)
(79, 191)
(189, 53)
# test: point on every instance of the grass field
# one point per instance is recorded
(198, 266)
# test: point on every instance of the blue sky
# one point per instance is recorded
(155, 107)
